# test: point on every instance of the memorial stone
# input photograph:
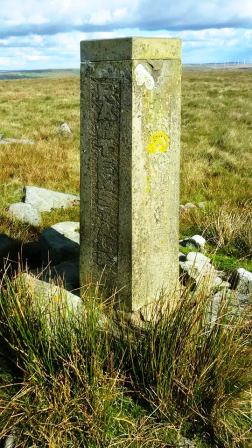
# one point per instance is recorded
(130, 146)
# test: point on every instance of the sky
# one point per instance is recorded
(40, 34)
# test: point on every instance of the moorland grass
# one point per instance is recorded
(78, 385)
(86, 380)
(216, 148)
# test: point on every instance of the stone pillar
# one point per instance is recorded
(130, 145)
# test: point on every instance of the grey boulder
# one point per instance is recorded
(65, 273)
(197, 241)
(7, 247)
(51, 301)
(6, 244)
(189, 205)
(44, 294)
(241, 280)
(65, 130)
(182, 257)
(9, 442)
(21, 141)
(198, 270)
(229, 300)
(25, 213)
(46, 200)
(60, 242)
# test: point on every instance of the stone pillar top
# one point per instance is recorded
(130, 48)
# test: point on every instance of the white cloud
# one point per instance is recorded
(209, 29)
(35, 57)
(52, 16)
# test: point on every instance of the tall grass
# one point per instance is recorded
(227, 227)
(216, 141)
(190, 368)
(91, 381)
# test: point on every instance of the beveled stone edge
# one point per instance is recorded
(130, 48)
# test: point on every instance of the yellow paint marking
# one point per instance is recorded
(159, 142)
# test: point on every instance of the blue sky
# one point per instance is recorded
(46, 33)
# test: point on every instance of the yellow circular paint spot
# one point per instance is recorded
(159, 142)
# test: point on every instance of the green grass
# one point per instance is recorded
(216, 148)
(90, 381)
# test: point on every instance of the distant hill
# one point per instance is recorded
(61, 73)
(51, 73)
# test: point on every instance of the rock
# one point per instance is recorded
(65, 130)
(241, 280)
(46, 200)
(8, 249)
(31, 254)
(136, 320)
(182, 257)
(9, 441)
(43, 293)
(25, 213)
(189, 205)
(233, 304)
(66, 273)
(52, 301)
(197, 268)
(7, 246)
(202, 205)
(222, 274)
(21, 141)
(219, 283)
(216, 300)
(70, 229)
(196, 241)
(60, 242)
(198, 259)
(244, 299)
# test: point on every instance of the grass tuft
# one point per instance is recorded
(92, 381)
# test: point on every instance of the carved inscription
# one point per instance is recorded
(105, 138)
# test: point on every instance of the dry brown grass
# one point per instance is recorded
(34, 109)
(216, 137)
(215, 152)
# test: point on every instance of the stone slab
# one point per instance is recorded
(66, 273)
(8, 246)
(44, 292)
(25, 213)
(52, 301)
(241, 280)
(60, 242)
(46, 200)
(21, 141)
